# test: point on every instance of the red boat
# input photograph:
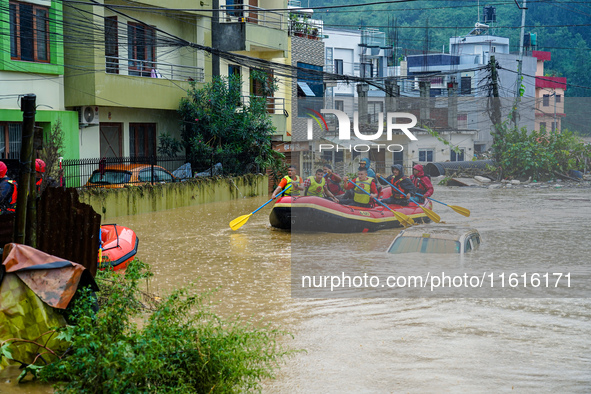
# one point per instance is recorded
(119, 246)
(307, 213)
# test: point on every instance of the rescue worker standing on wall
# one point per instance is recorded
(40, 169)
(402, 183)
(360, 198)
(421, 182)
(292, 178)
(8, 191)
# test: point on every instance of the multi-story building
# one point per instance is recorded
(549, 96)
(127, 71)
(32, 61)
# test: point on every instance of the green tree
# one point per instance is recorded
(220, 126)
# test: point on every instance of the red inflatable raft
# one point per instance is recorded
(119, 246)
(307, 213)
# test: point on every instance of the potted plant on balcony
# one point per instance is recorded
(313, 33)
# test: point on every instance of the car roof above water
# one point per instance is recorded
(441, 231)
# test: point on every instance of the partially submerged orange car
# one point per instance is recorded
(121, 175)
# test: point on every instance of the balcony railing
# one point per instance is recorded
(247, 13)
(274, 105)
(303, 27)
(151, 69)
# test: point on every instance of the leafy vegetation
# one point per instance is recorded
(53, 147)
(168, 145)
(219, 125)
(538, 155)
(181, 347)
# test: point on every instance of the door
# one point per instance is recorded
(110, 139)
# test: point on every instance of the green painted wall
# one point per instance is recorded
(143, 199)
(56, 46)
(46, 119)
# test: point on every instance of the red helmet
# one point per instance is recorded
(39, 165)
(3, 169)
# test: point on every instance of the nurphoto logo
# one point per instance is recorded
(345, 130)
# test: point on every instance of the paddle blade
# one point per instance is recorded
(239, 221)
(431, 215)
(460, 210)
(405, 220)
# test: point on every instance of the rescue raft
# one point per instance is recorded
(307, 213)
(119, 246)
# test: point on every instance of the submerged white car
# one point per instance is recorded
(436, 238)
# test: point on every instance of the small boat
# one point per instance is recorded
(119, 246)
(317, 214)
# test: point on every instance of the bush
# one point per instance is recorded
(183, 347)
(535, 154)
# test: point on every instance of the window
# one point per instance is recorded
(373, 110)
(233, 70)
(142, 139)
(339, 105)
(462, 121)
(142, 49)
(398, 158)
(546, 100)
(111, 45)
(542, 126)
(159, 175)
(426, 155)
(29, 32)
(457, 156)
(558, 98)
(338, 66)
(366, 70)
(466, 85)
(10, 140)
(234, 8)
(310, 88)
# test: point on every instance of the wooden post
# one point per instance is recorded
(26, 163)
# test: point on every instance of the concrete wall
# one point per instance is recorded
(152, 198)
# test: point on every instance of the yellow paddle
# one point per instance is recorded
(241, 220)
(430, 214)
(406, 221)
(460, 210)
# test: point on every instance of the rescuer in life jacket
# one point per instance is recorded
(292, 178)
(402, 183)
(360, 197)
(8, 191)
(316, 186)
(422, 182)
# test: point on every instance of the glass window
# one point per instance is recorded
(141, 49)
(457, 156)
(426, 155)
(111, 45)
(466, 85)
(10, 140)
(29, 32)
(338, 66)
(558, 98)
(424, 245)
(110, 177)
(142, 139)
(546, 100)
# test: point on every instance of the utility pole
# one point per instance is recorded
(519, 65)
(27, 169)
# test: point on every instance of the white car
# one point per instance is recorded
(436, 238)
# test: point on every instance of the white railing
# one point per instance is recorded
(247, 13)
(150, 69)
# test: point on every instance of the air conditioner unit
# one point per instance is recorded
(89, 115)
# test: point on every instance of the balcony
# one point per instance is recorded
(275, 108)
(246, 28)
(150, 69)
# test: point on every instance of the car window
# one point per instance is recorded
(162, 176)
(468, 245)
(110, 177)
(424, 245)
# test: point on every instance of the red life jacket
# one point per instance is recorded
(396, 193)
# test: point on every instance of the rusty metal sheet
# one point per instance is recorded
(53, 279)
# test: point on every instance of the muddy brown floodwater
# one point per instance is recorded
(373, 344)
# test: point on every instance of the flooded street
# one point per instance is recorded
(376, 344)
(406, 344)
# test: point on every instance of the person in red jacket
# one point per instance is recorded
(421, 182)
(8, 191)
